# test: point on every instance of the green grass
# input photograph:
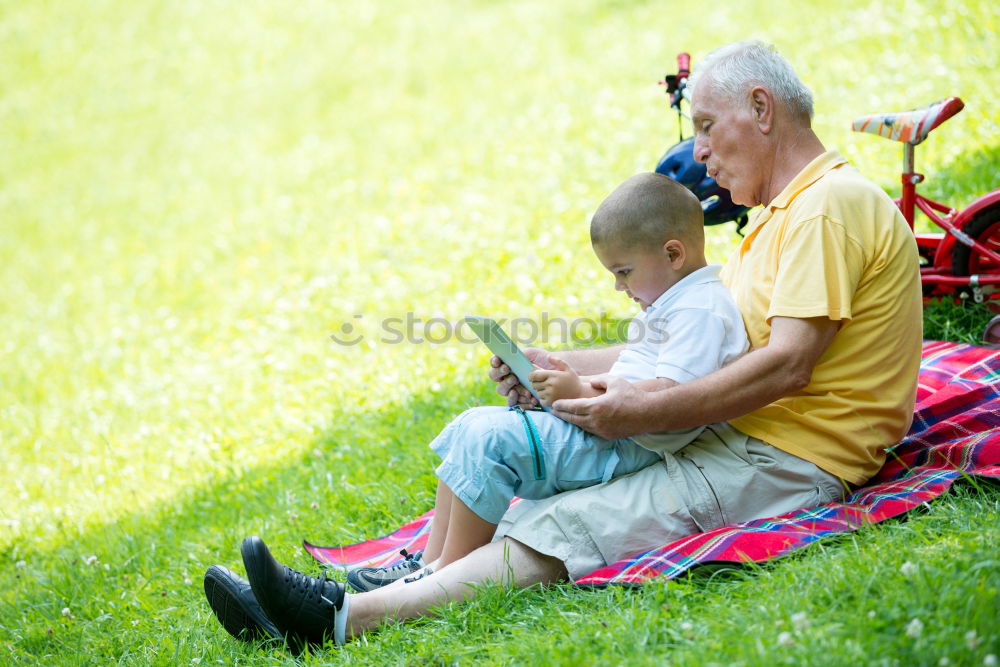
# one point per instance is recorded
(195, 195)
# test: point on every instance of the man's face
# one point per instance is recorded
(729, 142)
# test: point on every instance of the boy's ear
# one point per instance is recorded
(675, 252)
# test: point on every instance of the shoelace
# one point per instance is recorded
(311, 586)
(426, 572)
(408, 560)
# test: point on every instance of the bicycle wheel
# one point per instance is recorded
(984, 228)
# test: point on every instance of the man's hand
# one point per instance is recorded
(606, 415)
(509, 386)
(754, 380)
(551, 385)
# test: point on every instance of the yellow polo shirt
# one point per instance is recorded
(834, 245)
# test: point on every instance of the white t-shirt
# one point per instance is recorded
(693, 329)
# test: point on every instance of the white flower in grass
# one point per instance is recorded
(800, 621)
(135, 622)
(908, 569)
(990, 660)
(972, 640)
(90, 560)
(21, 564)
(785, 639)
(914, 628)
(872, 614)
(686, 626)
(944, 661)
(67, 613)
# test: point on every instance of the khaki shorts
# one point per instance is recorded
(723, 477)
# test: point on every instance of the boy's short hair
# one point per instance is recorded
(648, 210)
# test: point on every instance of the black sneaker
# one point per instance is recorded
(235, 606)
(364, 579)
(303, 608)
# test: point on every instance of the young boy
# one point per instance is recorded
(649, 234)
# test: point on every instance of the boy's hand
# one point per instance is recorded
(561, 382)
(508, 385)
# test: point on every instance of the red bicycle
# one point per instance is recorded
(961, 262)
(964, 260)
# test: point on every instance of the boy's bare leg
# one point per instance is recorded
(463, 531)
(439, 522)
(506, 561)
(467, 531)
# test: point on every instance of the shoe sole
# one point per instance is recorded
(224, 599)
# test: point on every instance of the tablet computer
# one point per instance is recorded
(501, 345)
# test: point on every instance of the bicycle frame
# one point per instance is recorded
(951, 221)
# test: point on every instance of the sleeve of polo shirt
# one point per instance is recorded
(819, 268)
(692, 345)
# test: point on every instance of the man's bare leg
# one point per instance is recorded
(506, 561)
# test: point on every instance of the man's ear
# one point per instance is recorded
(762, 107)
(675, 252)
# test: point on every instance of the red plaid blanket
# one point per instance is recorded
(955, 432)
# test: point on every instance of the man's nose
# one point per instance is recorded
(701, 151)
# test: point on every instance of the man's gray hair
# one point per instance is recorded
(738, 67)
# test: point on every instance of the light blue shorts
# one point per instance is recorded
(492, 454)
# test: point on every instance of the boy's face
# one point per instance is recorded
(643, 273)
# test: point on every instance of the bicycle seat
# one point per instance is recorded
(909, 126)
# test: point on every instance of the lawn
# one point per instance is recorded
(197, 198)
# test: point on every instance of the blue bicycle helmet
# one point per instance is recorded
(679, 164)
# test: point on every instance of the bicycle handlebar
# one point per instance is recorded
(683, 65)
(678, 82)
(676, 85)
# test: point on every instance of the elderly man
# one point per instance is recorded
(827, 281)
